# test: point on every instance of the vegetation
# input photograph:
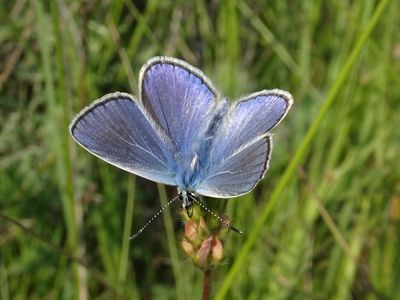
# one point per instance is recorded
(323, 224)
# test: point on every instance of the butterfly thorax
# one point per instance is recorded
(189, 174)
(192, 168)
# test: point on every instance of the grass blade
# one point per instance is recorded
(299, 154)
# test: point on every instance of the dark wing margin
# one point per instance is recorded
(181, 100)
(247, 123)
(239, 173)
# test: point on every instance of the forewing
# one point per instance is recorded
(180, 99)
(241, 148)
(115, 129)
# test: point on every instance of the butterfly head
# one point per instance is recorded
(187, 198)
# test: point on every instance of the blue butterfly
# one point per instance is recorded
(183, 132)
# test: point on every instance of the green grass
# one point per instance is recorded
(323, 224)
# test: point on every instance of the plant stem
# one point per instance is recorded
(206, 285)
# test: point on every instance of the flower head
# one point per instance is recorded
(202, 239)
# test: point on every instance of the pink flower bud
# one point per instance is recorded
(217, 250)
(204, 253)
(187, 248)
(191, 230)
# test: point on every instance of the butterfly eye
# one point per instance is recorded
(180, 196)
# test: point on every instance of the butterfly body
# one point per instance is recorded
(192, 168)
(182, 132)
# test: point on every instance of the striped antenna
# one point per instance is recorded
(222, 221)
(153, 218)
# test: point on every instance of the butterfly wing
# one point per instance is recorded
(242, 146)
(116, 130)
(181, 101)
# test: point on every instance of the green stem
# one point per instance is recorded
(124, 259)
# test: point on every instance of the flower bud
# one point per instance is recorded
(191, 230)
(202, 238)
(187, 248)
(217, 250)
(202, 256)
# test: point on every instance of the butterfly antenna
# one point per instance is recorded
(153, 218)
(222, 221)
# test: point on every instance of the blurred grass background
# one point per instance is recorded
(332, 230)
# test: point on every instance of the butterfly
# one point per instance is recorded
(181, 131)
